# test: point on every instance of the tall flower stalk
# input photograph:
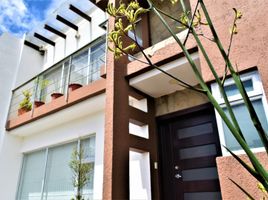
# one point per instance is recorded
(131, 13)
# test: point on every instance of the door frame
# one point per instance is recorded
(167, 190)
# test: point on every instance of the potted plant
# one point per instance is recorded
(25, 105)
(42, 84)
(74, 86)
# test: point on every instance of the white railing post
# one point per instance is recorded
(68, 80)
(35, 88)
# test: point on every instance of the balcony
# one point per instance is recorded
(70, 81)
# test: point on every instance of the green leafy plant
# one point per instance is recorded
(26, 102)
(41, 86)
(81, 171)
(43, 83)
(194, 24)
(263, 191)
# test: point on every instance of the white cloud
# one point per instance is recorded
(15, 17)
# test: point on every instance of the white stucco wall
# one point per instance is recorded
(18, 64)
(59, 49)
(65, 133)
(87, 31)
(71, 42)
(10, 51)
(92, 124)
(98, 17)
(139, 180)
(30, 64)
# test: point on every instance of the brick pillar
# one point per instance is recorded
(116, 148)
(118, 141)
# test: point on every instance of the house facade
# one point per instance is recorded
(144, 136)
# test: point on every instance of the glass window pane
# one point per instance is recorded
(202, 195)
(246, 126)
(58, 174)
(87, 191)
(138, 32)
(32, 176)
(193, 131)
(79, 68)
(65, 76)
(54, 83)
(233, 90)
(200, 174)
(199, 151)
(58, 184)
(97, 55)
(88, 146)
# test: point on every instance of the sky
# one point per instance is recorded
(20, 16)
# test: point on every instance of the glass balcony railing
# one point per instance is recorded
(77, 70)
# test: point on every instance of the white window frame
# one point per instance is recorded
(256, 93)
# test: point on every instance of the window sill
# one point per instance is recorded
(242, 152)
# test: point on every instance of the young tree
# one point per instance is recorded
(126, 19)
(80, 170)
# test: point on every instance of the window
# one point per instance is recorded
(253, 86)
(32, 176)
(85, 67)
(79, 68)
(46, 174)
(53, 81)
(97, 54)
(138, 32)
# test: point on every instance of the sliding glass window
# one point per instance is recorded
(46, 174)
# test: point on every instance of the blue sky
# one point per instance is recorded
(20, 16)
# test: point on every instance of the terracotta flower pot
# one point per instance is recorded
(38, 103)
(74, 86)
(56, 95)
(21, 111)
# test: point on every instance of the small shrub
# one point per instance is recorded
(26, 102)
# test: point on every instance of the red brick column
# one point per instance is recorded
(116, 145)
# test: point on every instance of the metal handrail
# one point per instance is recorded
(101, 38)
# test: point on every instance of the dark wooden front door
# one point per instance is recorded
(189, 145)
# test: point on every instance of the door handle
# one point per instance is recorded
(178, 176)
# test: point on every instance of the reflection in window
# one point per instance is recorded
(32, 176)
(55, 83)
(233, 90)
(246, 126)
(253, 86)
(79, 68)
(97, 55)
(138, 31)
